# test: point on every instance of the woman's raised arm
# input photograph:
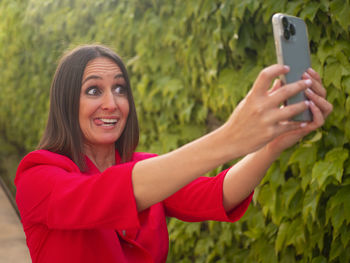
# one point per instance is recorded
(257, 120)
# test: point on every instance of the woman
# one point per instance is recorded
(86, 196)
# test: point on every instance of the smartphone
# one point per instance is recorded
(292, 49)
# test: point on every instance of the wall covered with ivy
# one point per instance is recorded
(190, 63)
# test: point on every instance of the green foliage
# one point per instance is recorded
(190, 63)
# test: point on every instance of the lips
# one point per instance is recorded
(105, 121)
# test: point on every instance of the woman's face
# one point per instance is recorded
(104, 105)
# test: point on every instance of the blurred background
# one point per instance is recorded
(190, 63)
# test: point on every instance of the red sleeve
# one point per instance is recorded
(203, 200)
(51, 190)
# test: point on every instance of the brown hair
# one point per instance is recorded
(63, 134)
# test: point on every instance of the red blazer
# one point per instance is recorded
(70, 216)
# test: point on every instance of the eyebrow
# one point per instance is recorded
(118, 76)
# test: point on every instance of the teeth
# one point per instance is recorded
(109, 120)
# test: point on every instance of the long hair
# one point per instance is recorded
(63, 134)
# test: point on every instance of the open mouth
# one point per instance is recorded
(105, 122)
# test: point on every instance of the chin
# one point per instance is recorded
(108, 142)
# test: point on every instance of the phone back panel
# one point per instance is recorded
(295, 53)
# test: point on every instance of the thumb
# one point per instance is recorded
(276, 85)
(266, 76)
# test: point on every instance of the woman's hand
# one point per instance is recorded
(320, 109)
(258, 118)
(243, 177)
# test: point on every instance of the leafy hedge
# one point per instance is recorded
(190, 63)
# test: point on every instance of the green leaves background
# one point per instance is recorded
(190, 63)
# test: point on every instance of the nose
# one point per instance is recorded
(109, 102)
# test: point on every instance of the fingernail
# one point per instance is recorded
(307, 75)
(312, 70)
(303, 124)
(309, 91)
(286, 67)
(308, 82)
(307, 102)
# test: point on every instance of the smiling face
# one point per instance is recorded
(104, 106)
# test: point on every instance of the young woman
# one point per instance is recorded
(86, 196)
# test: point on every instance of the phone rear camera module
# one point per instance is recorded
(292, 29)
(286, 34)
(285, 22)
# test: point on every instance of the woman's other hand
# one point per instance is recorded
(320, 109)
(258, 119)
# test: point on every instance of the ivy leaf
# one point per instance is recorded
(296, 235)
(316, 235)
(332, 74)
(294, 7)
(337, 156)
(341, 12)
(345, 235)
(279, 211)
(289, 189)
(317, 137)
(265, 251)
(347, 105)
(282, 235)
(169, 141)
(319, 259)
(342, 59)
(203, 246)
(306, 180)
(325, 50)
(304, 156)
(324, 5)
(229, 81)
(310, 204)
(337, 219)
(225, 9)
(226, 237)
(256, 226)
(266, 198)
(310, 10)
(173, 86)
(274, 176)
(193, 229)
(336, 248)
(331, 166)
(191, 131)
(321, 171)
(341, 202)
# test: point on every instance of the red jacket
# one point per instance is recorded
(69, 216)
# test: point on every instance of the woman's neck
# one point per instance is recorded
(102, 156)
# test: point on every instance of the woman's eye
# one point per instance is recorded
(93, 91)
(121, 90)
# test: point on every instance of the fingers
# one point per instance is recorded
(317, 86)
(320, 109)
(318, 120)
(281, 95)
(266, 76)
(289, 126)
(325, 107)
(314, 75)
(276, 85)
(318, 117)
(286, 113)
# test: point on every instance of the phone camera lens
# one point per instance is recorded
(286, 34)
(285, 22)
(292, 29)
